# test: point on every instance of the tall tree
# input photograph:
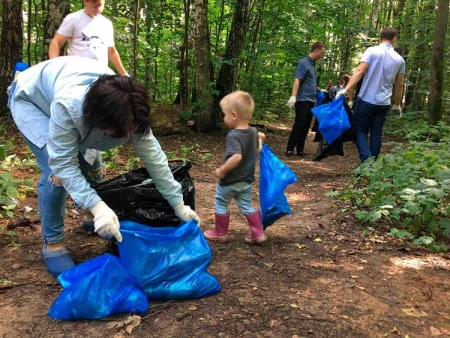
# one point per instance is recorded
(202, 59)
(183, 65)
(56, 11)
(437, 63)
(10, 45)
(226, 80)
(133, 25)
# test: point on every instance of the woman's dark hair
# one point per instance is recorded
(118, 103)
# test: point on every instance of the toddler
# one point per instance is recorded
(236, 174)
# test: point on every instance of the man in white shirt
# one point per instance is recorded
(89, 34)
(382, 67)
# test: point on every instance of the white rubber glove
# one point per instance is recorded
(340, 93)
(397, 111)
(106, 223)
(350, 104)
(291, 101)
(186, 213)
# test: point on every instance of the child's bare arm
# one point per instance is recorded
(229, 165)
(262, 138)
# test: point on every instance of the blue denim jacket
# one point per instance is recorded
(46, 105)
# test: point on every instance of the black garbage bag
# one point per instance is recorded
(337, 146)
(133, 196)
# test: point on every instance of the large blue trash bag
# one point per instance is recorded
(168, 262)
(333, 119)
(274, 177)
(95, 289)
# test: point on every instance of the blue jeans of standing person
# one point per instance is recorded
(52, 197)
(242, 194)
(299, 132)
(369, 118)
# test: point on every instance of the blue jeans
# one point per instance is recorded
(242, 194)
(369, 117)
(52, 197)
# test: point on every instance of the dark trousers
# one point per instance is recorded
(299, 132)
(369, 118)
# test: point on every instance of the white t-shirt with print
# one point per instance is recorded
(88, 37)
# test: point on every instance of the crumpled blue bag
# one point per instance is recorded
(169, 262)
(274, 177)
(333, 119)
(95, 289)
(320, 97)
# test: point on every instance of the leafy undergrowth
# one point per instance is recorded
(408, 188)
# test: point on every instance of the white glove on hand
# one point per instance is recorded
(291, 101)
(186, 213)
(340, 93)
(397, 111)
(106, 223)
(350, 104)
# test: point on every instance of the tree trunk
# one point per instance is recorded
(57, 10)
(226, 81)
(437, 64)
(227, 75)
(202, 57)
(133, 25)
(184, 60)
(10, 45)
(398, 11)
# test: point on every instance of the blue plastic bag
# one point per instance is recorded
(18, 68)
(274, 177)
(169, 262)
(96, 289)
(320, 97)
(333, 119)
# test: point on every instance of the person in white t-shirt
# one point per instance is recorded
(89, 34)
(383, 69)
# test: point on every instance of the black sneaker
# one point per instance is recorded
(302, 153)
(289, 153)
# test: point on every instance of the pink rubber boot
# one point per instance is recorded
(219, 233)
(256, 228)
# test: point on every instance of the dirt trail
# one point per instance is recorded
(315, 277)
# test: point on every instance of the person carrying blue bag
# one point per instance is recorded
(236, 174)
(382, 69)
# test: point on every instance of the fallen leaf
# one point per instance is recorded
(414, 312)
(294, 305)
(114, 325)
(445, 315)
(133, 320)
(192, 308)
(129, 323)
(269, 265)
(434, 331)
(273, 322)
(300, 246)
(317, 240)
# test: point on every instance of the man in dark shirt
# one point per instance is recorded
(304, 92)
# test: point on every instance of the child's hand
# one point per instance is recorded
(262, 136)
(219, 173)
